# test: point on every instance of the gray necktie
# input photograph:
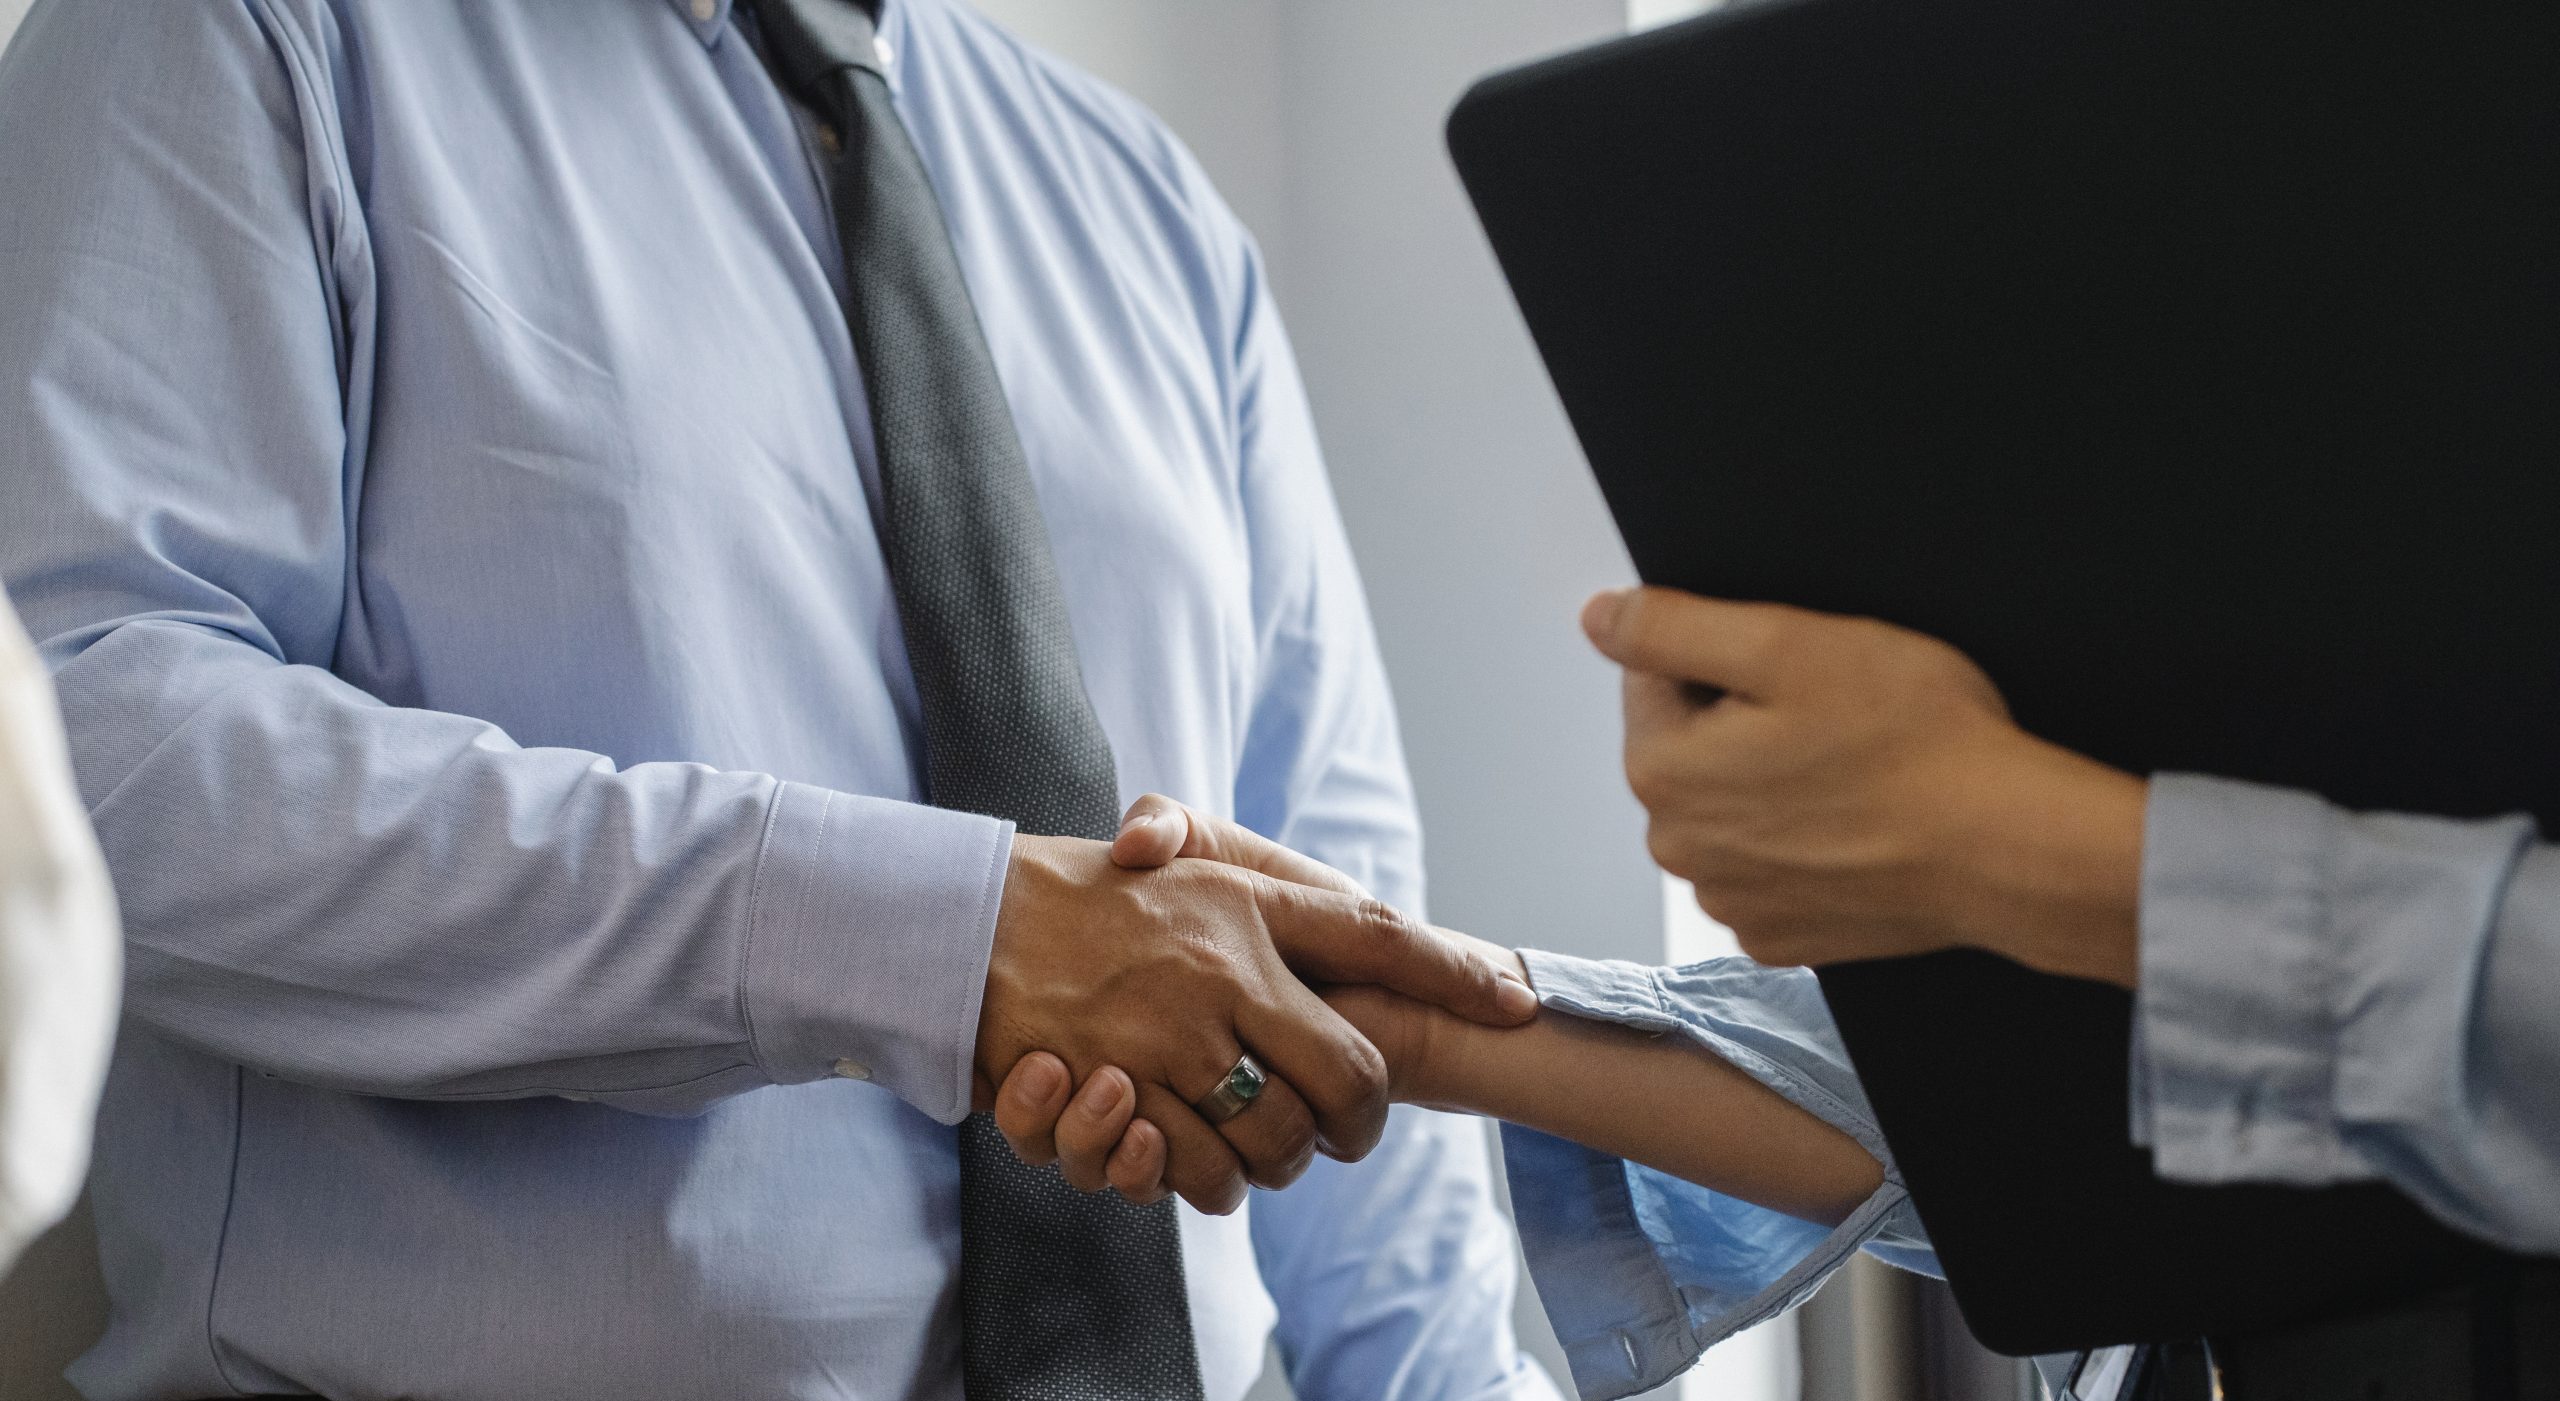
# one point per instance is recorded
(1063, 1297)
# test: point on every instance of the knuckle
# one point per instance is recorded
(1364, 1073)
(1215, 1192)
(1744, 909)
(1129, 1181)
(1283, 1172)
(1739, 913)
(1383, 923)
(1203, 1170)
(1292, 1131)
(1668, 846)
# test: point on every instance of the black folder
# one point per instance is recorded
(2195, 368)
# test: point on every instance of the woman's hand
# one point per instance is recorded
(1839, 789)
(1663, 1100)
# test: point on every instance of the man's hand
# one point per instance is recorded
(1097, 1120)
(1097, 1140)
(1839, 788)
(1171, 974)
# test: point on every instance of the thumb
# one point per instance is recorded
(1706, 641)
(1152, 833)
(1326, 937)
(1158, 830)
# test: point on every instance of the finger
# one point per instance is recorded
(1198, 1163)
(1657, 705)
(1152, 833)
(1740, 647)
(1155, 821)
(1028, 1106)
(1275, 1136)
(1092, 1127)
(1137, 1165)
(1325, 937)
(1308, 1047)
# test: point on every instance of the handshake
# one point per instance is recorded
(1129, 981)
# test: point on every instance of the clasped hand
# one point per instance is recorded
(1147, 976)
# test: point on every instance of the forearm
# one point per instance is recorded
(403, 902)
(1663, 1101)
(2046, 857)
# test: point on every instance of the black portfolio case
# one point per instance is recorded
(2195, 368)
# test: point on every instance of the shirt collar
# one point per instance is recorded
(708, 19)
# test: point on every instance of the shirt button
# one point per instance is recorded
(703, 10)
(852, 1070)
(888, 56)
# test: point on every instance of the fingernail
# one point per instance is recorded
(1138, 820)
(1600, 616)
(1515, 998)
(1138, 1142)
(1040, 1079)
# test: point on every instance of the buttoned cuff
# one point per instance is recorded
(2295, 957)
(1604, 990)
(867, 943)
(2234, 1043)
(1641, 1272)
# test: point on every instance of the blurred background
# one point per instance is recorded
(1478, 532)
(1479, 536)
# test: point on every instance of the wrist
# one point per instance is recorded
(1446, 1051)
(1424, 1077)
(2050, 863)
(1412, 1037)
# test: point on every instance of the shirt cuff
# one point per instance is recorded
(2293, 954)
(2233, 1042)
(867, 943)
(1641, 1272)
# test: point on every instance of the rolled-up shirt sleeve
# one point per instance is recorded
(1642, 1272)
(2331, 996)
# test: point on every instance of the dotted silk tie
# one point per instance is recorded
(1063, 1297)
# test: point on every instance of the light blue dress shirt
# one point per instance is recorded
(1642, 1272)
(2330, 996)
(434, 465)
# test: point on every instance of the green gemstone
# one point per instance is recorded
(1244, 1082)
